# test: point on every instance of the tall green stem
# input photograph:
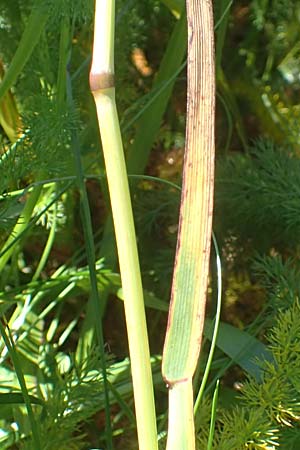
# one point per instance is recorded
(102, 87)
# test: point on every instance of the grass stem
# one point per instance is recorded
(103, 90)
(8, 340)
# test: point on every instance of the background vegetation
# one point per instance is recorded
(51, 160)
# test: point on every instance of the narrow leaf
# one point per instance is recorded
(240, 346)
(14, 398)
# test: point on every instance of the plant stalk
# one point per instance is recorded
(181, 427)
(103, 90)
(188, 295)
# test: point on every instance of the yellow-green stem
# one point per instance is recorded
(102, 87)
(181, 417)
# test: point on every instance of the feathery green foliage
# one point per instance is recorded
(269, 409)
(260, 187)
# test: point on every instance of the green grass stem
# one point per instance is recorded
(95, 303)
(213, 417)
(102, 87)
(216, 326)
(181, 433)
(7, 338)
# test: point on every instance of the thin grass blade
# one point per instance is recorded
(36, 24)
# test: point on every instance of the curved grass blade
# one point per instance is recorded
(35, 25)
(216, 326)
